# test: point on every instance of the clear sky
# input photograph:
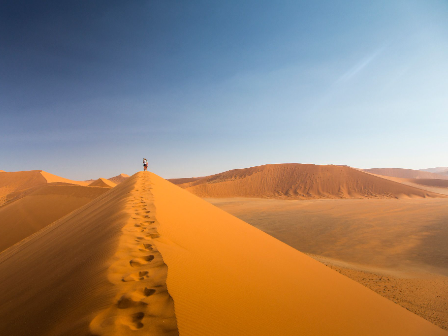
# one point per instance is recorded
(89, 88)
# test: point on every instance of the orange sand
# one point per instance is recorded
(101, 182)
(102, 270)
(59, 280)
(119, 178)
(300, 181)
(13, 183)
(42, 206)
(228, 278)
(406, 173)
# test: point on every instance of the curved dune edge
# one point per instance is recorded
(228, 278)
(299, 181)
(54, 280)
(102, 182)
(141, 305)
(40, 207)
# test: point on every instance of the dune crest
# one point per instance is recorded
(16, 182)
(119, 178)
(300, 181)
(101, 271)
(228, 278)
(142, 302)
(406, 173)
(102, 182)
(38, 207)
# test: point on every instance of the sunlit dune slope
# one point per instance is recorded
(437, 186)
(119, 178)
(56, 281)
(228, 278)
(16, 182)
(431, 182)
(41, 206)
(101, 182)
(184, 181)
(102, 271)
(300, 181)
(406, 173)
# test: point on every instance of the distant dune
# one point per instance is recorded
(431, 182)
(39, 207)
(405, 173)
(437, 170)
(13, 183)
(101, 182)
(119, 178)
(118, 265)
(299, 181)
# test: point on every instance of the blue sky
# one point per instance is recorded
(89, 88)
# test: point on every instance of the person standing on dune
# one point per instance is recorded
(145, 164)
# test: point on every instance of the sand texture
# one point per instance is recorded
(119, 178)
(102, 182)
(228, 278)
(300, 181)
(395, 247)
(12, 184)
(40, 207)
(94, 272)
(149, 258)
(406, 173)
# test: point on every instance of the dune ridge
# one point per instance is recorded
(228, 278)
(101, 270)
(63, 278)
(437, 170)
(142, 303)
(300, 181)
(119, 178)
(13, 183)
(406, 173)
(38, 207)
(102, 182)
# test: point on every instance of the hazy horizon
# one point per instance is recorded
(90, 88)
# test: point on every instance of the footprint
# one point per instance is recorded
(126, 302)
(137, 262)
(149, 291)
(135, 276)
(137, 318)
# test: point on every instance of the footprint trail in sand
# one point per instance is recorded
(142, 304)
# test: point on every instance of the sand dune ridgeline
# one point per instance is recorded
(300, 181)
(147, 257)
(406, 173)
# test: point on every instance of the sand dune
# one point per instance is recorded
(69, 274)
(41, 206)
(432, 185)
(119, 178)
(300, 181)
(437, 170)
(13, 183)
(406, 173)
(430, 182)
(395, 247)
(102, 270)
(101, 182)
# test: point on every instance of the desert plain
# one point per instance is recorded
(284, 249)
